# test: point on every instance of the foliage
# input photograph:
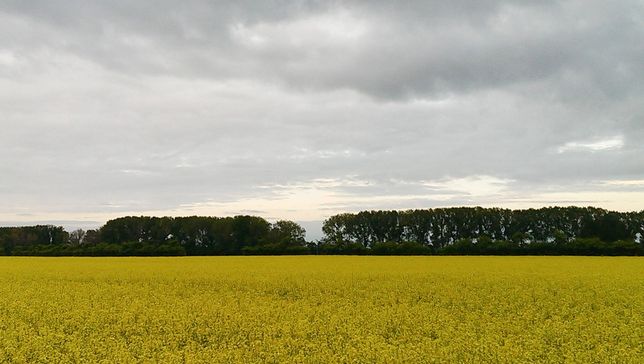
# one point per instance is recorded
(144, 235)
(169, 248)
(476, 230)
(17, 237)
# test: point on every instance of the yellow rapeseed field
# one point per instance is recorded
(322, 309)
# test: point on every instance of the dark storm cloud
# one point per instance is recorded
(296, 107)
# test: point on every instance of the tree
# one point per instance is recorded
(248, 231)
(77, 237)
(287, 233)
(335, 229)
(92, 237)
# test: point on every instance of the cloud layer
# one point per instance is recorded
(304, 109)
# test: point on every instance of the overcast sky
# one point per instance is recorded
(304, 109)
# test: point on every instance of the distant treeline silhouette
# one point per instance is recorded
(476, 230)
(142, 235)
(461, 230)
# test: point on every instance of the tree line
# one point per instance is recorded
(477, 230)
(143, 235)
(461, 230)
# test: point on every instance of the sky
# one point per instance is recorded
(304, 109)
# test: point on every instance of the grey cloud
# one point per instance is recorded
(113, 107)
(416, 49)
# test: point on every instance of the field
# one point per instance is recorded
(322, 309)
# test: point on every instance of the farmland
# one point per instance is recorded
(322, 309)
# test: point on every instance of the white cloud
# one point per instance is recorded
(7, 58)
(335, 29)
(600, 145)
(473, 186)
(608, 199)
(625, 183)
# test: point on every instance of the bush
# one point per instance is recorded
(406, 248)
(275, 249)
